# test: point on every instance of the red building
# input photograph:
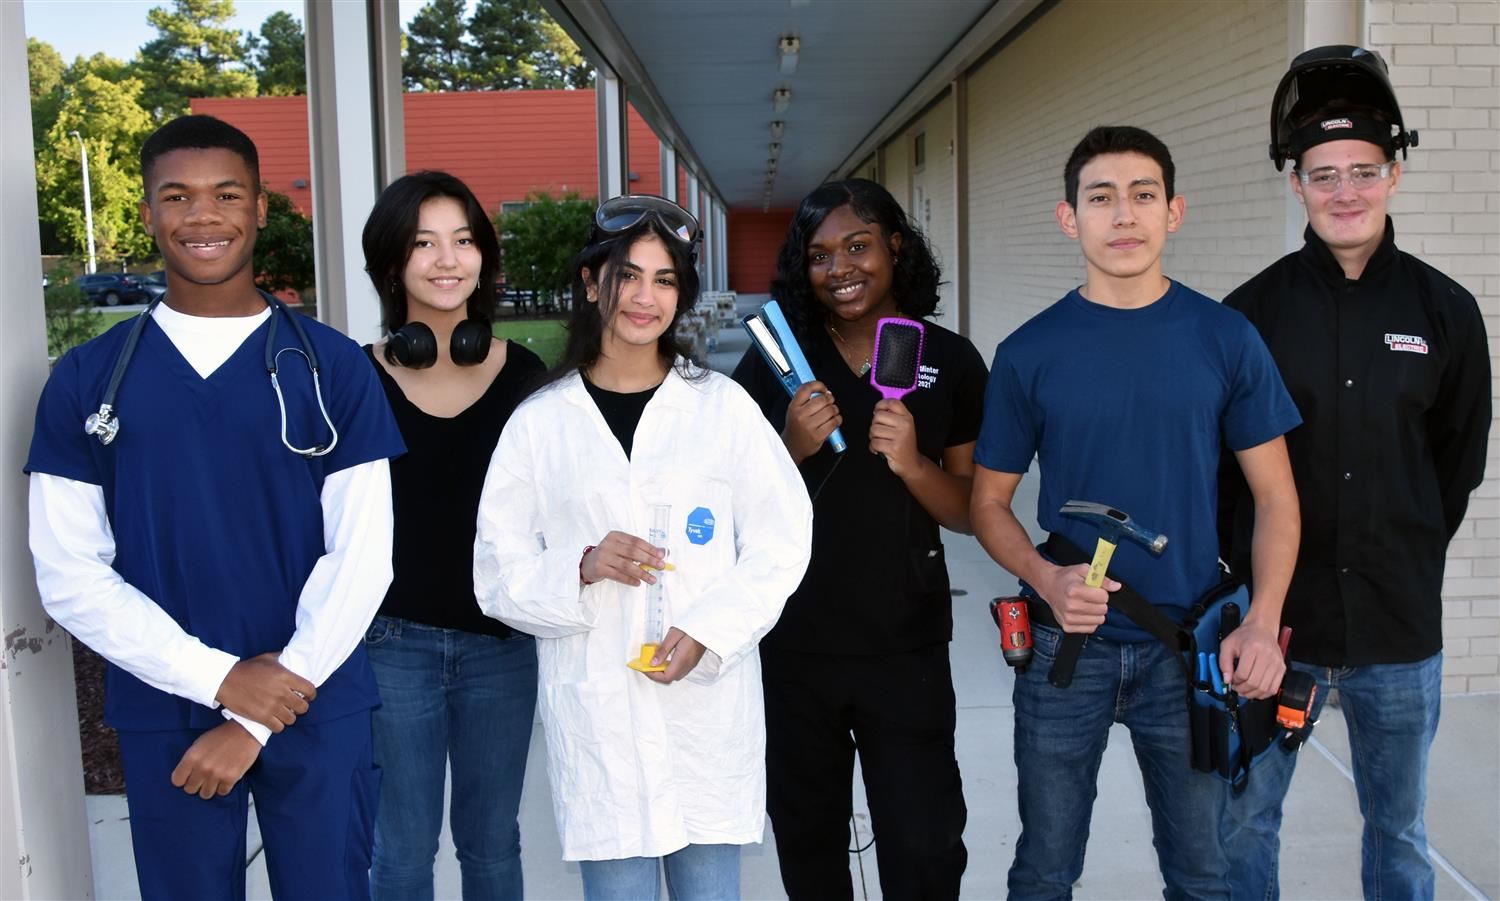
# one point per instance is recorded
(504, 145)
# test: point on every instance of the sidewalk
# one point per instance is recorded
(1320, 838)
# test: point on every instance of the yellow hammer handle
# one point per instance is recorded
(1102, 555)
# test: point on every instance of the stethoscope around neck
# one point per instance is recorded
(105, 424)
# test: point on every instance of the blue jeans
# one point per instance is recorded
(695, 873)
(1060, 735)
(1391, 710)
(459, 699)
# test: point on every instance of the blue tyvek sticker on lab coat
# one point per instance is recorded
(700, 526)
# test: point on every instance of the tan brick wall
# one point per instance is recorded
(1445, 64)
(940, 218)
(1198, 75)
(1201, 77)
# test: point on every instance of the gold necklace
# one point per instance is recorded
(864, 368)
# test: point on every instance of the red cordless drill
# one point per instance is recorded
(1015, 631)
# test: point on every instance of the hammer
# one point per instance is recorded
(1114, 527)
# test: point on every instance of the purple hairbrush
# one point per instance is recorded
(897, 361)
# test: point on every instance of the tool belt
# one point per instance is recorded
(1229, 734)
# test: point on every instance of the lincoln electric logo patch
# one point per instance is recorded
(1331, 124)
(1409, 343)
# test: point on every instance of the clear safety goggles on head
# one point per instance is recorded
(1327, 179)
(620, 214)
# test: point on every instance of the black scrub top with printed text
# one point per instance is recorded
(878, 581)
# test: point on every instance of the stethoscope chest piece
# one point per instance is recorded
(104, 424)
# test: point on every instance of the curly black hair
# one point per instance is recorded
(915, 276)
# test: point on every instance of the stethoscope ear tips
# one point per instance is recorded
(103, 425)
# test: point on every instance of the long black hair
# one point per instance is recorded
(606, 253)
(390, 235)
(915, 274)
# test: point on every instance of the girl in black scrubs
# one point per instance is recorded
(859, 659)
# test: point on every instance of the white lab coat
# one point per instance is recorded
(641, 769)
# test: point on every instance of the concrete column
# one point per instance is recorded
(668, 171)
(723, 217)
(1315, 23)
(44, 835)
(961, 199)
(354, 123)
(609, 93)
(710, 245)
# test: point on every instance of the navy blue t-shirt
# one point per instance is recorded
(213, 517)
(1131, 408)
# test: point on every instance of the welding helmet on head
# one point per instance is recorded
(1335, 77)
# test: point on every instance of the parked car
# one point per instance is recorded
(155, 282)
(114, 288)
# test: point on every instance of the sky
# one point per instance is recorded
(119, 27)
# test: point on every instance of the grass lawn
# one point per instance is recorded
(543, 337)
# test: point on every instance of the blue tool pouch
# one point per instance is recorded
(1230, 734)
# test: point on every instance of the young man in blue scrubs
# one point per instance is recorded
(225, 548)
(1125, 390)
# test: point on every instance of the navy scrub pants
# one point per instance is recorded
(315, 791)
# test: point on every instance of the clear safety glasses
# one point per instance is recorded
(1328, 179)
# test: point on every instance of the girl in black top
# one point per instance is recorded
(458, 689)
(860, 656)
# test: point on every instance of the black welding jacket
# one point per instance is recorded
(1391, 373)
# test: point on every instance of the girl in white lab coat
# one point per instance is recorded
(661, 770)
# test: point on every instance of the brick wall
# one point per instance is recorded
(939, 217)
(754, 240)
(1198, 75)
(1445, 65)
(503, 144)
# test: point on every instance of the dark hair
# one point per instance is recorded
(586, 320)
(1336, 108)
(198, 133)
(915, 275)
(1105, 139)
(390, 236)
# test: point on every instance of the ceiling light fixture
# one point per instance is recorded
(789, 47)
(777, 128)
(781, 98)
(775, 149)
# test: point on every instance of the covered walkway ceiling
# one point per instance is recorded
(708, 70)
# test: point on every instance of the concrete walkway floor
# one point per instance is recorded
(1320, 837)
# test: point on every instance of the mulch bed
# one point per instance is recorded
(102, 774)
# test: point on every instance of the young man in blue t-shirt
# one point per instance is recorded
(1125, 391)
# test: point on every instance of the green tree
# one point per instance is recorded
(70, 319)
(437, 56)
(45, 70)
(560, 64)
(284, 248)
(195, 54)
(505, 43)
(540, 240)
(112, 123)
(280, 55)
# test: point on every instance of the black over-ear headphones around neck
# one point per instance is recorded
(414, 346)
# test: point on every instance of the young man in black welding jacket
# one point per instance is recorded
(1125, 392)
(1387, 360)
